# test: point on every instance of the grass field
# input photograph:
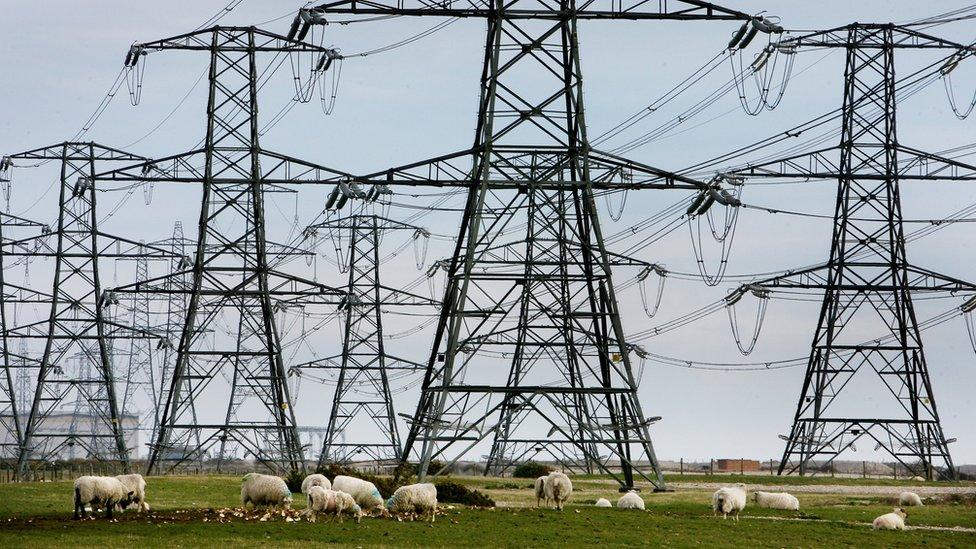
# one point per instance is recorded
(39, 514)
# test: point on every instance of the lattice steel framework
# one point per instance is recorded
(364, 365)
(868, 281)
(534, 306)
(235, 289)
(14, 362)
(78, 324)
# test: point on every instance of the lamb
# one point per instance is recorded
(540, 491)
(363, 491)
(259, 489)
(558, 488)
(909, 499)
(894, 520)
(106, 491)
(630, 500)
(315, 480)
(729, 499)
(603, 502)
(325, 500)
(417, 498)
(137, 485)
(776, 500)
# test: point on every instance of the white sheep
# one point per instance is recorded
(894, 520)
(909, 499)
(363, 491)
(104, 491)
(540, 491)
(315, 480)
(258, 489)
(603, 502)
(729, 500)
(630, 500)
(776, 500)
(917, 478)
(137, 485)
(325, 500)
(416, 498)
(558, 488)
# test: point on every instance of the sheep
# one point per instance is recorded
(894, 520)
(730, 499)
(106, 491)
(259, 489)
(558, 488)
(363, 491)
(909, 499)
(137, 485)
(325, 500)
(917, 478)
(418, 498)
(630, 500)
(540, 491)
(776, 500)
(603, 502)
(315, 480)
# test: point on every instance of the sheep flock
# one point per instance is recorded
(355, 498)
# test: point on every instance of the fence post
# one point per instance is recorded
(681, 466)
(742, 467)
(864, 469)
(711, 466)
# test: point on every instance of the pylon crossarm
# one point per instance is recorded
(873, 36)
(682, 10)
(77, 151)
(201, 40)
(817, 278)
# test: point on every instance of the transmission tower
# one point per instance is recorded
(234, 286)
(536, 309)
(868, 281)
(78, 323)
(14, 369)
(364, 366)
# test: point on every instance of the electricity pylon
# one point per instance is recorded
(529, 325)
(78, 324)
(364, 365)
(234, 285)
(14, 366)
(868, 282)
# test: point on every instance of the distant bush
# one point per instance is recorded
(502, 486)
(531, 469)
(455, 492)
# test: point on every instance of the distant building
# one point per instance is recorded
(67, 425)
(736, 465)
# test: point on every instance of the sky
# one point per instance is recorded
(420, 100)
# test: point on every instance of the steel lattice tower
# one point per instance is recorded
(363, 388)
(78, 324)
(14, 363)
(868, 281)
(231, 274)
(536, 309)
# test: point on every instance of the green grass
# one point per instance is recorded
(38, 515)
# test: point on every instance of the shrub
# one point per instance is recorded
(455, 492)
(294, 481)
(531, 469)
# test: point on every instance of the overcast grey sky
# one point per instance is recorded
(59, 58)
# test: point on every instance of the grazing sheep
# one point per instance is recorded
(630, 500)
(917, 478)
(909, 499)
(776, 500)
(363, 491)
(540, 491)
(137, 485)
(558, 488)
(417, 498)
(894, 520)
(315, 480)
(729, 500)
(603, 502)
(325, 500)
(105, 491)
(258, 489)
